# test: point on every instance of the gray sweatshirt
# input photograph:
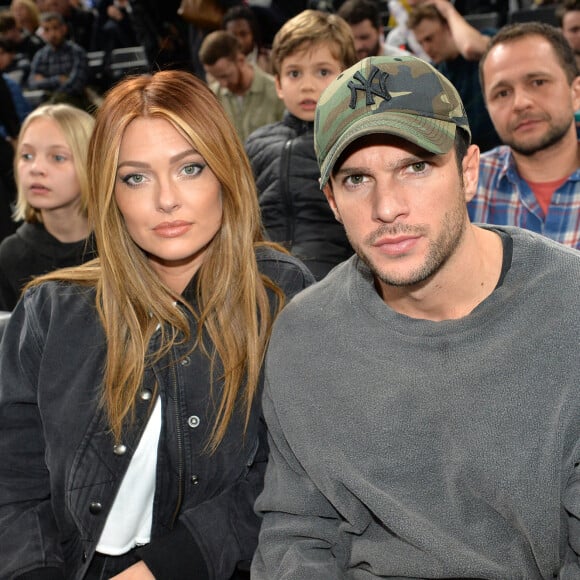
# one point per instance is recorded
(405, 448)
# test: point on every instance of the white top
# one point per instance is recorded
(130, 518)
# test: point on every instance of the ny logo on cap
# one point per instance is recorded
(371, 86)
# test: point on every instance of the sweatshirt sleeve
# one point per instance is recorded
(300, 527)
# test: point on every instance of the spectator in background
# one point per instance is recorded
(79, 21)
(247, 93)
(11, 126)
(241, 22)
(7, 56)
(52, 179)
(114, 26)
(568, 15)
(60, 68)
(400, 35)
(27, 15)
(309, 51)
(455, 47)
(25, 44)
(364, 19)
(532, 89)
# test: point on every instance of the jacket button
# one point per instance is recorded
(194, 479)
(120, 449)
(84, 556)
(95, 507)
(145, 395)
(185, 361)
(193, 421)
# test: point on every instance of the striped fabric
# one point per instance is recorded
(504, 198)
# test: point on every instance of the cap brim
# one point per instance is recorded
(433, 135)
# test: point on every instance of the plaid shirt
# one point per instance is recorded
(504, 198)
(68, 59)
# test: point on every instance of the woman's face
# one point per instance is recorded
(169, 198)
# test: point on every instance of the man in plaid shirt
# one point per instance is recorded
(60, 67)
(531, 86)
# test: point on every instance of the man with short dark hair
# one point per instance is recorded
(367, 29)
(421, 400)
(530, 81)
(454, 47)
(247, 93)
(60, 68)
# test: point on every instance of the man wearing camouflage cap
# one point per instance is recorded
(422, 399)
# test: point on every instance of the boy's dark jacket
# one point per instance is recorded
(294, 210)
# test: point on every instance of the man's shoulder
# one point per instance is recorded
(262, 74)
(43, 52)
(536, 251)
(312, 304)
(262, 81)
(220, 92)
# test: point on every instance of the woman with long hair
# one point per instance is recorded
(131, 436)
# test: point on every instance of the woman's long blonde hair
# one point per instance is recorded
(232, 307)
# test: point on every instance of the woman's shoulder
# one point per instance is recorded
(286, 271)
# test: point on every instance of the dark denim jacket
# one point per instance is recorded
(60, 469)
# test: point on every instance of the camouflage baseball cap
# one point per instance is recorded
(402, 96)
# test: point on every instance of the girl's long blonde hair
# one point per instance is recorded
(76, 126)
(232, 310)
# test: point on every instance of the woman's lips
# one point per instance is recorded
(172, 229)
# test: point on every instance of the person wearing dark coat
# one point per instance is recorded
(294, 210)
(308, 52)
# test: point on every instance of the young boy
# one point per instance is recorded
(308, 52)
(61, 67)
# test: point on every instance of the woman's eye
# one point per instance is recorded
(59, 158)
(193, 168)
(26, 156)
(133, 179)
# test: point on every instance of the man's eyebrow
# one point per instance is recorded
(402, 162)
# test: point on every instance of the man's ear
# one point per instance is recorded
(470, 165)
(329, 194)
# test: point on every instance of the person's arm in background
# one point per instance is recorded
(76, 81)
(470, 42)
